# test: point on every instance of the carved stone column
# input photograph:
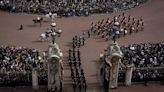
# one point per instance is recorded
(128, 75)
(114, 72)
(54, 68)
(113, 58)
(35, 78)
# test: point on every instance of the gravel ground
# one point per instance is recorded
(151, 12)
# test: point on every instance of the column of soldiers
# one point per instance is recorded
(119, 26)
(78, 41)
(77, 72)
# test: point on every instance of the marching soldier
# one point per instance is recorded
(73, 45)
(79, 42)
(74, 85)
(131, 29)
(79, 84)
(78, 53)
(84, 84)
(129, 17)
(83, 41)
(89, 34)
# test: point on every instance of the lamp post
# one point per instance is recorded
(54, 32)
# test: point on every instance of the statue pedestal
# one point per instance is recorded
(54, 68)
(114, 73)
(35, 79)
(128, 75)
(113, 57)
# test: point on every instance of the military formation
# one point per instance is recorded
(74, 58)
(118, 27)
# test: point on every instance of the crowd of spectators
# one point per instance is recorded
(144, 55)
(16, 64)
(148, 60)
(68, 7)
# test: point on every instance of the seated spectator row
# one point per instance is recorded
(148, 62)
(144, 54)
(16, 64)
(68, 7)
(148, 75)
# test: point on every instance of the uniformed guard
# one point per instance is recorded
(79, 63)
(83, 41)
(89, 34)
(21, 27)
(79, 42)
(130, 32)
(79, 84)
(74, 85)
(78, 53)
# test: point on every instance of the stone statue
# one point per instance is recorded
(112, 57)
(55, 68)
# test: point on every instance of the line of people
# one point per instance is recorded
(78, 41)
(68, 7)
(74, 58)
(77, 72)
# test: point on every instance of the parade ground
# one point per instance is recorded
(151, 12)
